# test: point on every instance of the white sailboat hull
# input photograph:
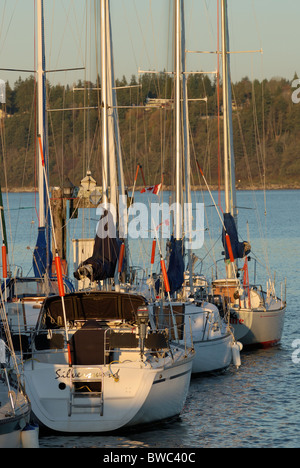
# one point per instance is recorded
(257, 317)
(210, 337)
(213, 355)
(141, 395)
(12, 424)
(164, 400)
(258, 327)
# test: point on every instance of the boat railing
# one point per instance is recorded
(271, 291)
(171, 318)
(272, 284)
(92, 346)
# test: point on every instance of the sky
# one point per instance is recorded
(142, 37)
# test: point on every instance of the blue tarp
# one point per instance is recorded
(176, 265)
(239, 249)
(40, 255)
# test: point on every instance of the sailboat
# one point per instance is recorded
(98, 361)
(211, 336)
(257, 316)
(115, 370)
(15, 408)
(24, 295)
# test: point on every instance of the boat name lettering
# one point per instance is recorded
(75, 374)
(236, 321)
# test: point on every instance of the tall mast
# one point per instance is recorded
(110, 114)
(115, 117)
(42, 257)
(2, 216)
(41, 115)
(178, 233)
(225, 108)
(187, 154)
(116, 173)
(229, 159)
(122, 202)
(103, 22)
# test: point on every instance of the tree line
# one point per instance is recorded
(266, 126)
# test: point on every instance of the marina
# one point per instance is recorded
(253, 407)
(149, 311)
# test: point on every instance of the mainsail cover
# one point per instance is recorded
(42, 256)
(176, 265)
(239, 249)
(102, 264)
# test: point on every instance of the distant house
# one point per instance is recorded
(153, 102)
(235, 107)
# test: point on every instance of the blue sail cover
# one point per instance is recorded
(102, 264)
(239, 249)
(42, 258)
(176, 265)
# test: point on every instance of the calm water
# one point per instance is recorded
(256, 406)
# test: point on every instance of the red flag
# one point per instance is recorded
(155, 189)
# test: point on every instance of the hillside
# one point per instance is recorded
(266, 132)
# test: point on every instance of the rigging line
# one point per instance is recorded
(256, 24)
(206, 215)
(205, 208)
(164, 115)
(210, 252)
(3, 17)
(55, 147)
(219, 106)
(6, 327)
(208, 18)
(9, 22)
(191, 17)
(35, 108)
(253, 190)
(94, 140)
(256, 133)
(141, 30)
(32, 120)
(130, 35)
(85, 98)
(73, 138)
(260, 147)
(75, 34)
(98, 84)
(96, 15)
(154, 41)
(264, 135)
(62, 138)
(71, 217)
(4, 155)
(263, 106)
(48, 96)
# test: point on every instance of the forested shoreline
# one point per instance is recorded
(266, 126)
